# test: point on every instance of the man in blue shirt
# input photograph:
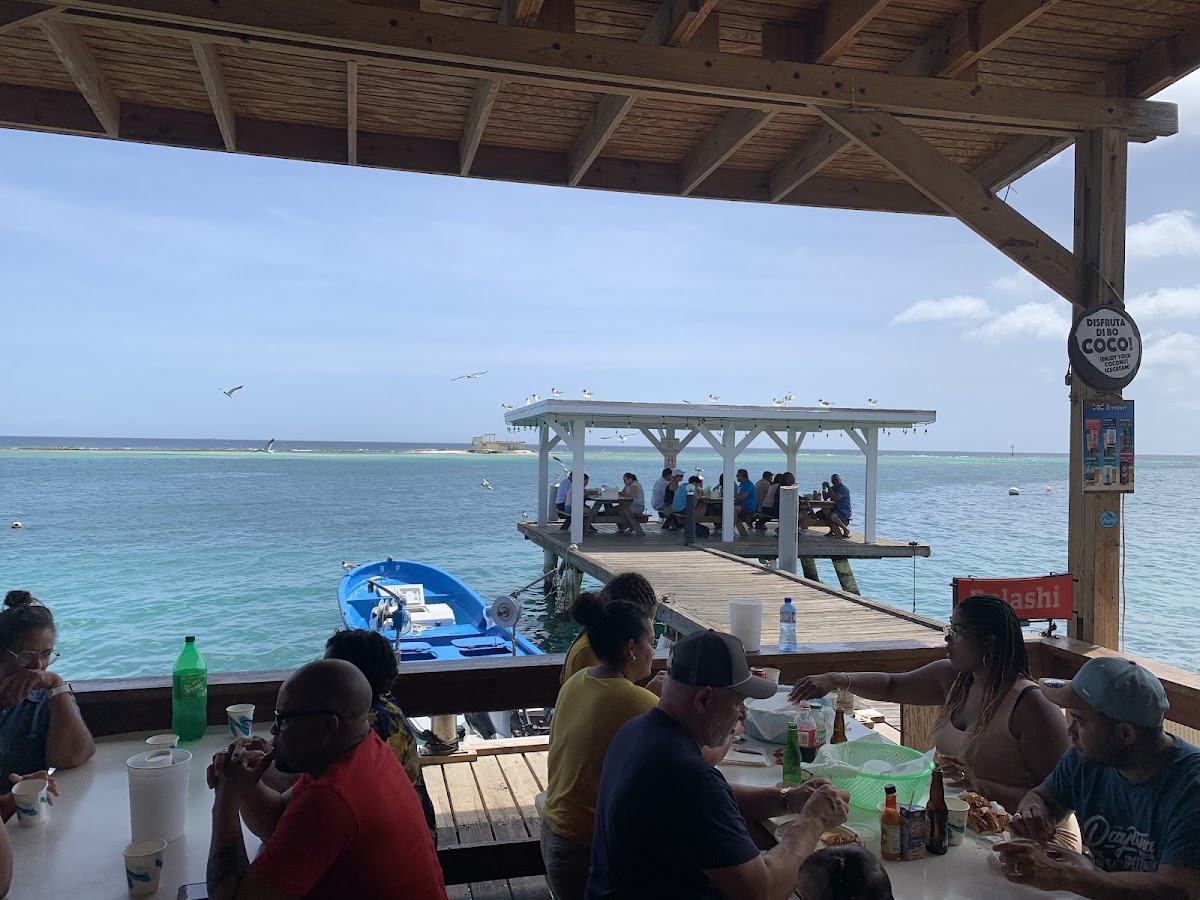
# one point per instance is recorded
(1134, 788)
(747, 503)
(839, 516)
(661, 762)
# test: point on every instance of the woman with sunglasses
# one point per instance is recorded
(996, 735)
(40, 725)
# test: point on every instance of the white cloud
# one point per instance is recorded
(1180, 350)
(1041, 321)
(950, 309)
(1019, 282)
(1178, 303)
(1172, 233)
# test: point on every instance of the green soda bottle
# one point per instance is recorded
(189, 693)
(791, 757)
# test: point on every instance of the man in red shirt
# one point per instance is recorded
(352, 826)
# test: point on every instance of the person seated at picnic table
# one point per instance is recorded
(996, 734)
(658, 493)
(1134, 786)
(40, 724)
(352, 824)
(679, 506)
(591, 706)
(673, 486)
(656, 764)
(839, 516)
(747, 503)
(760, 489)
(770, 506)
(632, 489)
(844, 872)
(628, 586)
(566, 492)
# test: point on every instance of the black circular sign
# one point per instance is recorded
(1105, 348)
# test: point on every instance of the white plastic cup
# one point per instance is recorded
(143, 866)
(241, 719)
(745, 623)
(956, 820)
(163, 742)
(158, 791)
(771, 674)
(33, 806)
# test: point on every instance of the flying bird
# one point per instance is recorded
(524, 515)
(587, 395)
(713, 398)
(872, 403)
(561, 463)
(487, 485)
(555, 393)
(266, 449)
(229, 393)
(471, 375)
(825, 403)
(507, 406)
(620, 437)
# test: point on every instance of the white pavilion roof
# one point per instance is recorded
(610, 414)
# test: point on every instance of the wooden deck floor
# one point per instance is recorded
(701, 580)
(814, 542)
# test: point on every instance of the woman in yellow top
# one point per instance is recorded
(628, 586)
(592, 705)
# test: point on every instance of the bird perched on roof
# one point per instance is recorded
(826, 403)
(713, 398)
(555, 393)
(587, 395)
(528, 401)
(872, 403)
(775, 401)
(229, 393)
(487, 484)
(507, 406)
(787, 398)
(536, 398)
(470, 375)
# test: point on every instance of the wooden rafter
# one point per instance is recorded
(922, 166)
(214, 83)
(948, 52)
(352, 113)
(721, 143)
(17, 13)
(675, 23)
(520, 12)
(81, 66)
(839, 25)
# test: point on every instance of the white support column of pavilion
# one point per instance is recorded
(666, 444)
(546, 443)
(729, 447)
(868, 442)
(574, 436)
(790, 446)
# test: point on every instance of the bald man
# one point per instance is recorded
(351, 826)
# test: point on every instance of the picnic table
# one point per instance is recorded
(613, 509)
(964, 873)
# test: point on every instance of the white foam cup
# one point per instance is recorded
(33, 806)
(745, 623)
(158, 790)
(241, 719)
(163, 742)
(143, 866)
(956, 819)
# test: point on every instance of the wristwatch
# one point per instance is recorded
(64, 688)
(783, 799)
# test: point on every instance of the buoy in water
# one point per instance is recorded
(1014, 492)
(1047, 489)
(16, 524)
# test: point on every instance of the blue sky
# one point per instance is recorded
(139, 281)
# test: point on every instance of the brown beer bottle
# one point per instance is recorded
(937, 838)
(839, 727)
(889, 825)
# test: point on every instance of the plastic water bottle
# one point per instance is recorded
(787, 626)
(189, 693)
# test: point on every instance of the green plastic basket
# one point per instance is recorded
(866, 790)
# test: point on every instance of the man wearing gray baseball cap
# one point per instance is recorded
(1134, 787)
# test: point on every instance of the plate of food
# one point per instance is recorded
(985, 816)
(838, 837)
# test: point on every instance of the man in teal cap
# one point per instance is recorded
(1134, 787)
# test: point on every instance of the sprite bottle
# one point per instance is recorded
(791, 758)
(189, 693)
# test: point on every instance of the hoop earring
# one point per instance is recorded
(988, 659)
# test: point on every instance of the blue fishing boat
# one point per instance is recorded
(428, 614)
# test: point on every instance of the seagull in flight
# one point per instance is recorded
(825, 403)
(487, 485)
(507, 406)
(620, 437)
(872, 403)
(713, 398)
(587, 395)
(229, 393)
(561, 463)
(266, 449)
(524, 515)
(555, 393)
(471, 375)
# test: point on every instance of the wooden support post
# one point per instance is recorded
(845, 574)
(1093, 550)
(789, 521)
(351, 113)
(79, 62)
(808, 566)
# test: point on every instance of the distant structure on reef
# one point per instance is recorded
(487, 443)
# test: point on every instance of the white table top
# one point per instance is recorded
(964, 873)
(77, 853)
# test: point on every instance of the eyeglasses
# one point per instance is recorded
(281, 717)
(27, 658)
(954, 632)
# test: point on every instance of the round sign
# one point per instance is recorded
(1108, 518)
(1105, 348)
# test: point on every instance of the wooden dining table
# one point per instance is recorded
(613, 509)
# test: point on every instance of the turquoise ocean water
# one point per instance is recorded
(135, 543)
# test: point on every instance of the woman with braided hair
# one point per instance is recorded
(997, 735)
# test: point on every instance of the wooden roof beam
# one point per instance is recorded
(214, 83)
(81, 66)
(839, 24)
(486, 91)
(523, 13)
(950, 51)
(1163, 63)
(922, 166)
(674, 24)
(17, 13)
(352, 113)
(721, 143)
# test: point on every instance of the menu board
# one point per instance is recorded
(1108, 446)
